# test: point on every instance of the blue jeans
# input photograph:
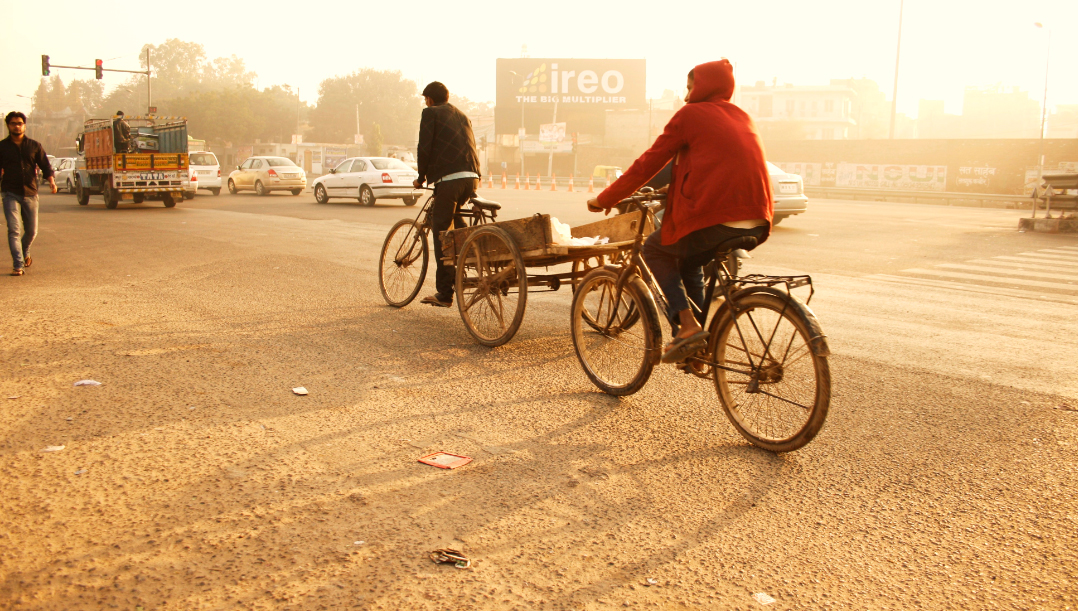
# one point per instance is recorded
(679, 267)
(21, 214)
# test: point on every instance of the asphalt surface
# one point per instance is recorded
(193, 477)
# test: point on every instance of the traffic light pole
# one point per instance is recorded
(98, 68)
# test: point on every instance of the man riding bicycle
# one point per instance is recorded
(720, 191)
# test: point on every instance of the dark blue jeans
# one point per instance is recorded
(21, 214)
(679, 267)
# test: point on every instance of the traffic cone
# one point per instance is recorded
(490, 181)
(570, 184)
(538, 181)
(503, 180)
(553, 182)
(518, 182)
(527, 181)
(591, 184)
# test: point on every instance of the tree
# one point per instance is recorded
(384, 98)
(377, 141)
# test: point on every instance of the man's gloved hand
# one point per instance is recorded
(593, 206)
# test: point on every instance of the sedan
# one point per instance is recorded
(265, 174)
(789, 193)
(368, 179)
(64, 173)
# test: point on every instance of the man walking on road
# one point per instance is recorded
(19, 158)
(448, 161)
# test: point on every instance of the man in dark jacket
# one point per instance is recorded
(448, 161)
(20, 157)
(121, 132)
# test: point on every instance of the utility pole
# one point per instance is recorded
(1044, 109)
(358, 132)
(149, 99)
(898, 52)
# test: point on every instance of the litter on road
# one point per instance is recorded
(763, 598)
(13, 397)
(53, 448)
(444, 460)
(299, 390)
(450, 556)
(87, 383)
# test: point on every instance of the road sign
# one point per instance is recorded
(152, 110)
(552, 132)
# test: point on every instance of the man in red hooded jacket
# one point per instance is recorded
(720, 190)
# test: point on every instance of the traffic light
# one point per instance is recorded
(98, 67)
(44, 65)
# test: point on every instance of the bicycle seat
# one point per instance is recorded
(744, 242)
(485, 204)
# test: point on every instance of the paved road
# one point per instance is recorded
(194, 478)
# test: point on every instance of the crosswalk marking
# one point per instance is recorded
(1002, 264)
(1047, 274)
(970, 288)
(1035, 260)
(1011, 272)
(983, 278)
(1049, 256)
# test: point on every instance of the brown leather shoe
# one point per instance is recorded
(28, 262)
(16, 272)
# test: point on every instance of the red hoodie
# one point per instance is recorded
(719, 174)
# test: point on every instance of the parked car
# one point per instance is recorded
(368, 179)
(64, 173)
(789, 193)
(205, 172)
(265, 174)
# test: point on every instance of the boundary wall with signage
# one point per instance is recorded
(973, 166)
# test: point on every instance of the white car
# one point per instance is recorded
(205, 172)
(368, 179)
(789, 193)
(64, 173)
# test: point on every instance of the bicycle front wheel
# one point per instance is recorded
(616, 344)
(403, 263)
(774, 389)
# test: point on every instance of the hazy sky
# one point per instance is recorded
(946, 44)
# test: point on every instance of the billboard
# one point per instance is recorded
(583, 90)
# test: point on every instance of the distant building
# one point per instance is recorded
(999, 112)
(801, 112)
(1063, 123)
(933, 123)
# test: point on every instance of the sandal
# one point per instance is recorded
(28, 261)
(681, 347)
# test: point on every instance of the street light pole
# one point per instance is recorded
(898, 52)
(1044, 103)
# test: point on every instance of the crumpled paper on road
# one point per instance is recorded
(563, 235)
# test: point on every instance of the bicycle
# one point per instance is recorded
(766, 353)
(401, 275)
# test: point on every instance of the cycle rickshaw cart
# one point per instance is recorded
(492, 260)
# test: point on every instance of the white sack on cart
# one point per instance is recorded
(563, 235)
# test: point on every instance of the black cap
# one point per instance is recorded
(120, 112)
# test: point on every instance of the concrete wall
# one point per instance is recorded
(977, 166)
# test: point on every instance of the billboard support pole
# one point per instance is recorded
(550, 159)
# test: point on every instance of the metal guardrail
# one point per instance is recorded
(950, 198)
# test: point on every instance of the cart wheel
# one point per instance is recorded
(403, 263)
(492, 286)
(582, 266)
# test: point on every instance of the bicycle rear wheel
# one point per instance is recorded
(403, 263)
(775, 390)
(616, 345)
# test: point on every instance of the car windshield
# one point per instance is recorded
(277, 162)
(384, 163)
(203, 159)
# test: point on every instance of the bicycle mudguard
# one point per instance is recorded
(817, 339)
